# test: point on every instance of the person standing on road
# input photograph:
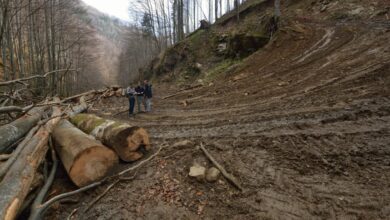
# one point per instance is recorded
(148, 96)
(140, 96)
(130, 92)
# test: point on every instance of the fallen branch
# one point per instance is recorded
(8, 109)
(121, 112)
(4, 157)
(106, 191)
(20, 81)
(227, 175)
(182, 91)
(35, 212)
(80, 95)
(101, 195)
(71, 214)
(48, 203)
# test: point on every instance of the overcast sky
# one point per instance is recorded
(117, 8)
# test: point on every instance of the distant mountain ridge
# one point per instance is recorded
(109, 26)
(108, 34)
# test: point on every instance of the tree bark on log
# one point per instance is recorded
(82, 107)
(10, 133)
(85, 159)
(17, 183)
(125, 139)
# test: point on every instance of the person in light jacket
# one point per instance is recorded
(130, 92)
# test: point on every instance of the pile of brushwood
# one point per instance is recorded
(42, 134)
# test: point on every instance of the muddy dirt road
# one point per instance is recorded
(305, 127)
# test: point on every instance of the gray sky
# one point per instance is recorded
(117, 8)
(120, 8)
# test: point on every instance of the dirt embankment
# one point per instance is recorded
(304, 125)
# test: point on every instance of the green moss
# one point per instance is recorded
(93, 121)
(221, 69)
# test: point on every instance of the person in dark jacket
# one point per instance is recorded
(130, 92)
(140, 91)
(148, 95)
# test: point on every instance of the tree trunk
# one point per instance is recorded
(85, 159)
(11, 133)
(82, 107)
(277, 9)
(125, 139)
(19, 179)
(216, 9)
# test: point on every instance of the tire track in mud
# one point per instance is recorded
(315, 147)
(302, 164)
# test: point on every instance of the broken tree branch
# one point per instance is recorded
(108, 189)
(121, 112)
(36, 213)
(227, 175)
(101, 195)
(72, 213)
(80, 95)
(183, 91)
(20, 81)
(8, 109)
(4, 157)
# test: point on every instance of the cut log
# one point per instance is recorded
(11, 133)
(125, 139)
(17, 183)
(82, 107)
(85, 159)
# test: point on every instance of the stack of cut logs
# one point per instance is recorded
(88, 147)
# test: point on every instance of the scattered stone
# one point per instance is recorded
(185, 143)
(222, 47)
(212, 174)
(198, 172)
(283, 84)
(185, 103)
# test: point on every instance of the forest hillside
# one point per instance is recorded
(248, 109)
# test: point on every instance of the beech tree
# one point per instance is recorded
(40, 36)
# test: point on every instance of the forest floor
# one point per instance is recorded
(305, 129)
